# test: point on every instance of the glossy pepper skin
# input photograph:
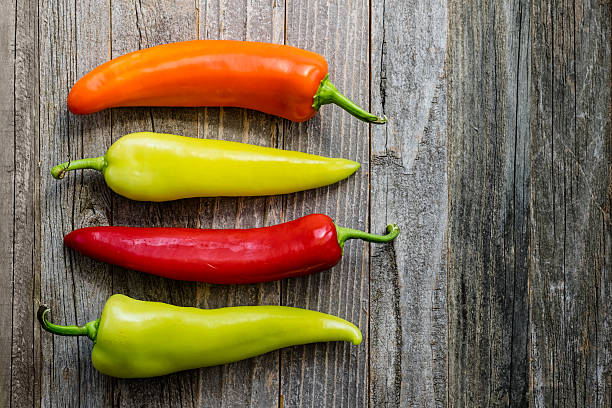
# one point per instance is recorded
(138, 339)
(224, 256)
(150, 166)
(277, 79)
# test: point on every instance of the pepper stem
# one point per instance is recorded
(89, 329)
(96, 163)
(328, 93)
(349, 233)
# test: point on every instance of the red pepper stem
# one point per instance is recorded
(89, 329)
(96, 163)
(328, 93)
(349, 233)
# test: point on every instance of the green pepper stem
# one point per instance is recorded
(349, 233)
(328, 93)
(96, 163)
(89, 329)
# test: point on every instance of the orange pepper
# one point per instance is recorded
(277, 79)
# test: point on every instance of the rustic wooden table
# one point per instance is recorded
(495, 162)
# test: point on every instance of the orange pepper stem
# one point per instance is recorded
(96, 163)
(328, 93)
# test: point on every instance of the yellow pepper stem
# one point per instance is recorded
(96, 163)
(89, 329)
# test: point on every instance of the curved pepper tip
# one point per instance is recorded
(41, 315)
(328, 93)
(89, 329)
(393, 231)
(58, 172)
(357, 337)
(380, 120)
(344, 234)
(97, 163)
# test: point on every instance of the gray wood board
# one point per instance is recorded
(77, 287)
(488, 173)
(332, 374)
(570, 330)
(25, 384)
(409, 187)
(7, 205)
(529, 189)
(495, 164)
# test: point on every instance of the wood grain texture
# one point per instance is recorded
(332, 374)
(488, 173)
(253, 382)
(150, 25)
(409, 187)
(25, 365)
(60, 371)
(529, 191)
(495, 163)
(75, 288)
(7, 205)
(570, 285)
(138, 25)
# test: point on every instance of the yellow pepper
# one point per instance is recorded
(149, 166)
(134, 338)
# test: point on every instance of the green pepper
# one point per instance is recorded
(149, 166)
(137, 339)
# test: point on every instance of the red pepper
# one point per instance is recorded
(226, 256)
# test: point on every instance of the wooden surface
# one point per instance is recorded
(409, 186)
(530, 190)
(496, 164)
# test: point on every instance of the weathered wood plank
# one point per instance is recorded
(528, 240)
(488, 175)
(74, 38)
(409, 186)
(7, 192)
(91, 198)
(569, 280)
(25, 390)
(333, 374)
(529, 192)
(60, 375)
(253, 382)
(137, 25)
